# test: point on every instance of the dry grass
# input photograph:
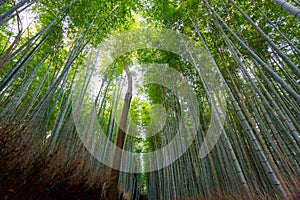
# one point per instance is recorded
(28, 172)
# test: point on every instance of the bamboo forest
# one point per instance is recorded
(150, 99)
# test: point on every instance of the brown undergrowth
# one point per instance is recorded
(28, 171)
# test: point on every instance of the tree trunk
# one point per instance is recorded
(288, 7)
(112, 190)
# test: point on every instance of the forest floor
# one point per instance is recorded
(26, 172)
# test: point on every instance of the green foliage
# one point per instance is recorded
(260, 140)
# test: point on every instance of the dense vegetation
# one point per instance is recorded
(46, 49)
